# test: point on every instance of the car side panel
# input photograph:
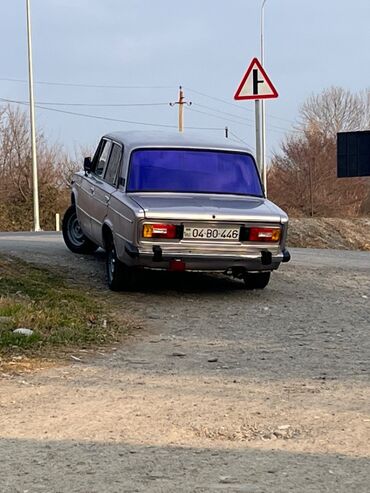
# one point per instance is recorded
(124, 215)
(83, 201)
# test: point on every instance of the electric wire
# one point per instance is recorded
(224, 101)
(273, 128)
(134, 87)
(102, 105)
(97, 117)
(76, 84)
(220, 117)
(223, 112)
(243, 119)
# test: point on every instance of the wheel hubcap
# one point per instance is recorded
(75, 232)
(111, 263)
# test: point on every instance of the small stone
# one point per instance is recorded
(23, 331)
(212, 360)
(226, 479)
(364, 296)
(179, 354)
(284, 427)
(75, 358)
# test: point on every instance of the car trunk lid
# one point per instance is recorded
(204, 207)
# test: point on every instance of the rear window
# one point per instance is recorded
(195, 171)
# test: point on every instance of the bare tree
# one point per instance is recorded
(16, 177)
(335, 110)
(302, 177)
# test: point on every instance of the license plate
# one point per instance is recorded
(211, 233)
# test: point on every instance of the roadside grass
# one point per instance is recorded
(59, 314)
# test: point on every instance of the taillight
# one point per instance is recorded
(167, 231)
(264, 234)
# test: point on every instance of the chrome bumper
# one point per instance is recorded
(158, 257)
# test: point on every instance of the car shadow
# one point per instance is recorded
(157, 281)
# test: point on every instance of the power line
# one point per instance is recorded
(243, 119)
(97, 117)
(94, 86)
(273, 128)
(85, 115)
(223, 112)
(113, 86)
(51, 103)
(220, 117)
(224, 101)
(239, 139)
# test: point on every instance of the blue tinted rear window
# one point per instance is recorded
(196, 171)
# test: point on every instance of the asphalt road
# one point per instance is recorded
(49, 244)
(223, 390)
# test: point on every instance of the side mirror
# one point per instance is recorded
(87, 164)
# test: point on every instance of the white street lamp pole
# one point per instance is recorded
(263, 109)
(36, 212)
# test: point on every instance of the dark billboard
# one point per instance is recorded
(353, 154)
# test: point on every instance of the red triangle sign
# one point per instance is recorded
(255, 84)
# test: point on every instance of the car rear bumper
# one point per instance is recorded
(166, 259)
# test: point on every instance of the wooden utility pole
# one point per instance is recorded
(310, 180)
(181, 101)
(181, 109)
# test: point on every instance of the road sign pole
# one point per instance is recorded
(263, 146)
(257, 86)
(258, 135)
(263, 107)
(36, 212)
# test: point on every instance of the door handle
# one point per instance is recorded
(92, 189)
(106, 198)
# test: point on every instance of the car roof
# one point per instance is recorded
(157, 138)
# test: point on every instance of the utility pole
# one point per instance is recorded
(263, 108)
(310, 180)
(36, 211)
(181, 101)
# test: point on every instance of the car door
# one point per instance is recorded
(88, 206)
(104, 186)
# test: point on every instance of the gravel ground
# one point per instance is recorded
(222, 390)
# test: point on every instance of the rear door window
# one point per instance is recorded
(103, 158)
(112, 167)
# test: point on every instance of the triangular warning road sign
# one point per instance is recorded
(256, 84)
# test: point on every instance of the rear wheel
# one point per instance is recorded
(73, 236)
(119, 276)
(257, 280)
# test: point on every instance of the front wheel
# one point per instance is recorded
(73, 236)
(256, 280)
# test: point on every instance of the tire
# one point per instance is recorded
(119, 276)
(73, 236)
(256, 281)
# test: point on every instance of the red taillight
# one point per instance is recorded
(167, 231)
(264, 234)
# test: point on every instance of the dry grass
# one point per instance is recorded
(60, 315)
(337, 233)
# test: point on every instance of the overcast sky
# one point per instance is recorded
(205, 45)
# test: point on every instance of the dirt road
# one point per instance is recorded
(223, 389)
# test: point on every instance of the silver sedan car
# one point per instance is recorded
(156, 200)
